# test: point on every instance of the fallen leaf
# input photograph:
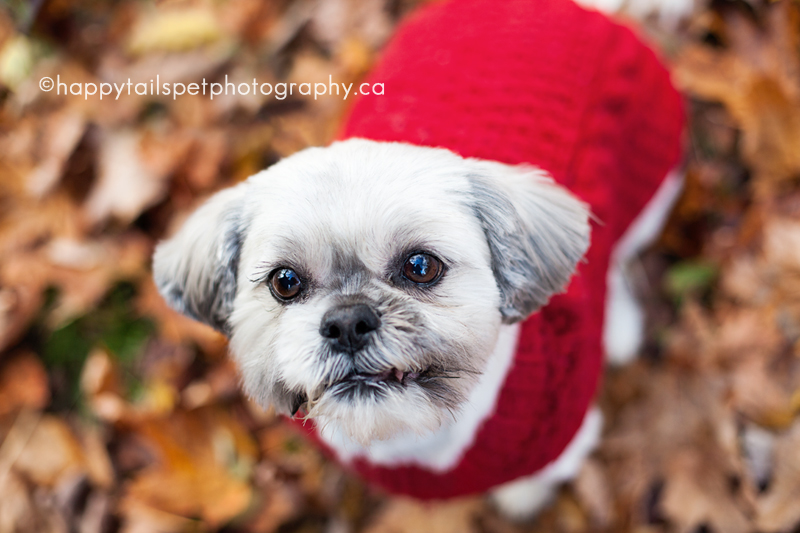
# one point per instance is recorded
(205, 160)
(777, 509)
(139, 518)
(402, 515)
(592, 490)
(698, 492)
(751, 80)
(63, 132)
(23, 383)
(99, 468)
(49, 452)
(100, 374)
(17, 510)
(132, 174)
(17, 57)
(204, 461)
(173, 30)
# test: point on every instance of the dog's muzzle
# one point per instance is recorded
(349, 329)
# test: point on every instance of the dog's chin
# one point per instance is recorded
(370, 406)
(378, 407)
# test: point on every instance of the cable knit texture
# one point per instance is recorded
(550, 84)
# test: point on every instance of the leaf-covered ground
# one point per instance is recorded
(116, 414)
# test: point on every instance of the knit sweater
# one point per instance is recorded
(551, 84)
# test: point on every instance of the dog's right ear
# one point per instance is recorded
(196, 270)
(537, 231)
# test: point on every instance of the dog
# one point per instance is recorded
(433, 290)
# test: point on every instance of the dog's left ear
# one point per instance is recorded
(195, 270)
(537, 232)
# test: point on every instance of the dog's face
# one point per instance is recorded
(366, 282)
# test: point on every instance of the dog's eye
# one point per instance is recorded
(422, 268)
(285, 284)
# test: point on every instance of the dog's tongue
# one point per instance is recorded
(398, 374)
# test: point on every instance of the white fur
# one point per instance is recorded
(439, 450)
(342, 216)
(357, 195)
(623, 329)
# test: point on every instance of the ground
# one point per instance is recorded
(116, 414)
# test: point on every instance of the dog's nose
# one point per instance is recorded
(349, 326)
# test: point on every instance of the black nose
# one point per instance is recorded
(348, 326)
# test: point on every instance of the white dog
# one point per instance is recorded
(379, 288)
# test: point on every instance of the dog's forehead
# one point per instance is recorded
(356, 204)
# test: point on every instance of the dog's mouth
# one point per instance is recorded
(394, 375)
(374, 384)
(368, 384)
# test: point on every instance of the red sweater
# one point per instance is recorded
(548, 83)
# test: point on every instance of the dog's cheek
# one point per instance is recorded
(468, 311)
(365, 421)
(298, 346)
(254, 327)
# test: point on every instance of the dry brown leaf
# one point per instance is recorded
(355, 58)
(174, 30)
(49, 453)
(402, 515)
(746, 334)
(17, 57)
(275, 504)
(283, 446)
(132, 173)
(336, 21)
(100, 384)
(18, 306)
(220, 382)
(139, 518)
(205, 160)
(671, 421)
(778, 510)
(647, 444)
(743, 279)
(205, 459)
(693, 343)
(760, 393)
(697, 492)
(27, 224)
(96, 514)
(782, 242)
(302, 132)
(167, 362)
(98, 464)
(99, 374)
(750, 80)
(17, 512)
(62, 133)
(592, 490)
(125, 185)
(23, 383)
(84, 274)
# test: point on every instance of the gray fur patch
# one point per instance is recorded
(533, 253)
(211, 301)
